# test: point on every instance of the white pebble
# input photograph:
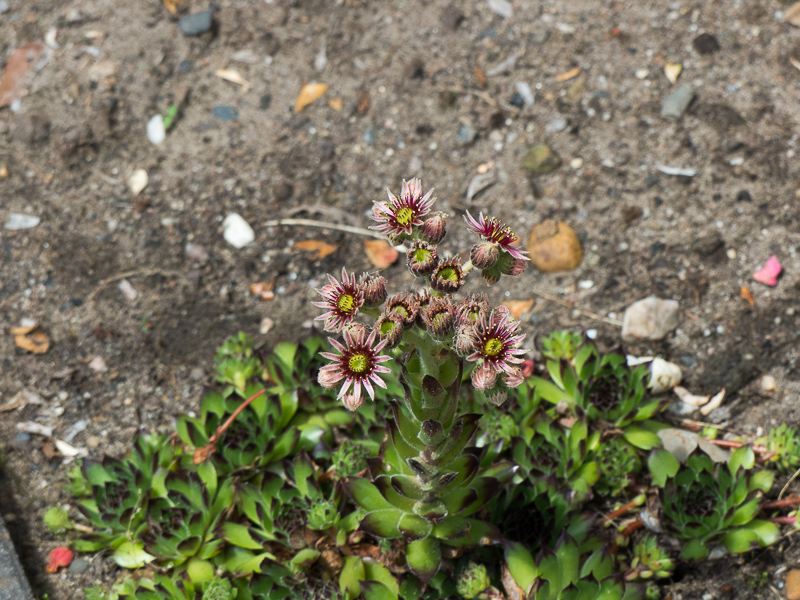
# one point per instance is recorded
(128, 290)
(576, 163)
(138, 181)
(591, 333)
(586, 284)
(768, 383)
(18, 221)
(155, 130)
(237, 232)
(642, 73)
(623, 247)
(737, 161)
(731, 253)
(266, 325)
(524, 90)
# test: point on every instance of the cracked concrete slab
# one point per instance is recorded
(13, 583)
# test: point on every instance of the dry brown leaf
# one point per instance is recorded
(380, 253)
(336, 104)
(364, 102)
(480, 76)
(3, 172)
(35, 340)
(747, 295)
(519, 307)
(23, 329)
(793, 14)
(173, 6)
(234, 77)
(309, 93)
(17, 67)
(569, 74)
(672, 71)
(322, 249)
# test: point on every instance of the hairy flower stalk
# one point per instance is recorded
(427, 488)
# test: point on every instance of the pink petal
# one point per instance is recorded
(378, 381)
(768, 275)
(370, 391)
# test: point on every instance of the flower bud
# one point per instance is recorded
(471, 309)
(491, 276)
(439, 318)
(433, 229)
(422, 259)
(497, 398)
(390, 328)
(448, 276)
(351, 403)
(463, 341)
(374, 288)
(484, 377)
(484, 255)
(508, 265)
(328, 379)
(404, 305)
(513, 379)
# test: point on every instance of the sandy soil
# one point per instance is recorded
(80, 133)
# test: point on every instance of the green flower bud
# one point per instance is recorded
(472, 580)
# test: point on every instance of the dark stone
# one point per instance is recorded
(448, 99)
(451, 17)
(197, 23)
(744, 196)
(415, 69)
(651, 180)
(283, 191)
(264, 102)
(497, 120)
(657, 248)
(705, 43)
(225, 113)
(185, 66)
(658, 201)
(631, 213)
(78, 566)
(718, 115)
(22, 437)
(517, 100)
(425, 129)
(708, 245)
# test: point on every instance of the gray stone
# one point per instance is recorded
(466, 134)
(674, 105)
(197, 23)
(22, 437)
(225, 113)
(78, 566)
(3, 7)
(650, 319)
(13, 584)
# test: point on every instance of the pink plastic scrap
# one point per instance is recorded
(768, 274)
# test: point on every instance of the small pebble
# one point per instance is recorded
(265, 325)
(78, 566)
(93, 441)
(768, 383)
(591, 334)
(466, 134)
(21, 437)
(98, 363)
(793, 585)
(17, 222)
(743, 196)
(650, 319)
(586, 284)
(197, 23)
(3, 7)
(642, 73)
(674, 105)
(225, 113)
(237, 232)
(524, 90)
(556, 125)
(736, 161)
(501, 7)
(196, 252)
(128, 290)
(517, 100)
(185, 66)
(156, 132)
(705, 43)
(576, 163)
(540, 160)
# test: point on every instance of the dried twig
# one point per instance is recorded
(791, 479)
(785, 503)
(323, 224)
(621, 510)
(585, 313)
(200, 454)
(126, 275)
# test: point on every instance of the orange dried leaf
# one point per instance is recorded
(380, 253)
(336, 104)
(35, 342)
(17, 67)
(747, 295)
(309, 93)
(480, 76)
(322, 249)
(569, 74)
(173, 6)
(792, 15)
(23, 329)
(263, 289)
(519, 307)
(59, 557)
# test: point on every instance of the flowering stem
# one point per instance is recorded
(467, 267)
(200, 454)
(785, 503)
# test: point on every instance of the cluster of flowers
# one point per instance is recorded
(469, 327)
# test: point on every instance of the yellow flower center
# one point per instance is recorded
(346, 303)
(405, 215)
(421, 255)
(449, 273)
(358, 363)
(492, 347)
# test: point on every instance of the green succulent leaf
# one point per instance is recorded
(351, 577)
(131, 555)
(641, 437)
(663, 465)
(521, 565)
(424, 557)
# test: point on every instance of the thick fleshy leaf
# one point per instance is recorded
(374, 590)
(393, 496)
(641, 437)
(131, 555)
(521, 565)
(480, 533)
(768, 533)
(351, 576)
(240, 535)
(383, 523)
(762, 481)
(743, 457)
(694, 550)
(424, 557)
(407, 486)
(741, 540)
(305, 558)
(663, 465)
(414, 527)
(374, 571)
(365, 494)
(451, 528)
